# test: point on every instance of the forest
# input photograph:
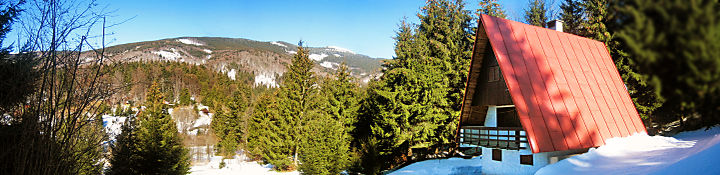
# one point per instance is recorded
(667, 53)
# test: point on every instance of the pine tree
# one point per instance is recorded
(416, 102)
(492, 8)
(154, 145)
(536, 14)
(676, 44)
(572, 16)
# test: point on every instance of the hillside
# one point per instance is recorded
(264, 60)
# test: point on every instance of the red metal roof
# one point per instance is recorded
(566, 89)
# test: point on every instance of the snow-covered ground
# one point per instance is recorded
(267, 79)
(693, 152)
(317, 57)
(443, 166)
(174, 55)
(190, 41)
(340, 49)
(238, 165)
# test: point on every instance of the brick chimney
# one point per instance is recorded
(556, 25)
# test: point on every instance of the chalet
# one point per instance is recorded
(535, 96)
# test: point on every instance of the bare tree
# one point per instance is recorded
(59, 128)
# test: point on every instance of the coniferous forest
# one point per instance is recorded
(53, 98)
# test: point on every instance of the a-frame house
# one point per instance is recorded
(535, 96)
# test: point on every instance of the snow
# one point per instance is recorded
(203, 120)
(239, 164)
(113, 125)
(329, 64)
(340, 49)
(693, 152)
(207, 51)
(267, 79)
(278, 44)
(336, 55)
(189, 41)
(231, 74)
(318, 57)
(174, 55)
(291, 52)
(443, 166)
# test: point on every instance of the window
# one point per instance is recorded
(497, 154)
(493, 74)
(526, 159)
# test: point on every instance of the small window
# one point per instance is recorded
(493, 74)
(526, 159)
(497, 154)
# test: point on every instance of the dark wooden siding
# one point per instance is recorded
(489, 89)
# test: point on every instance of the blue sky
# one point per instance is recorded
(364, 26)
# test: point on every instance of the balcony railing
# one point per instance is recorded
(514, 138)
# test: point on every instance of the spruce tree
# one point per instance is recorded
(326, 147)
(228, 123)
(536, 14)
(676, 43)
(416, 102)
(269, 133)
(572, 16)
(297, 100)
(125, 151)
(598, 25)
(492, 8)
(154, 145)
(185, 97)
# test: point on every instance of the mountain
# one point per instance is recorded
(266, 61)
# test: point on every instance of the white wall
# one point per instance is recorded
(491, 117)
(510, 163)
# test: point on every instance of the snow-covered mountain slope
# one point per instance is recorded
(694, 152)
(264, 61)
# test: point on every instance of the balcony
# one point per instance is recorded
(513, 138)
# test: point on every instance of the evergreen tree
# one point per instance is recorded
(269, 133)
(536, 14)
(677, 44)
(416, 102)
(492, 8)
(596, 19)
(155, 147)
(297, 101)
(572, 16)
(595, 26)
(343, 98)
(326, 148)
(185, 97)
(124, 151)
(228, 124)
